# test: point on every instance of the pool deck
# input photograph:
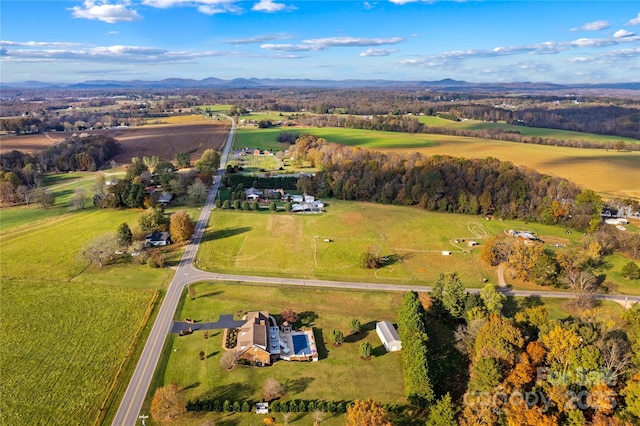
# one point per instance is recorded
(287, 339)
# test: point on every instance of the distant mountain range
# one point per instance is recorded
(212, 82)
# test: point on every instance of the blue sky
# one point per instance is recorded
(476, 41)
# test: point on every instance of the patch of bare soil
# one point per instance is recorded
(164, 141)
(167, 141)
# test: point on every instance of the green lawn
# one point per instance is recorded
(523, 130)
(67, 328)
(339, 375)
(275, 244)
(62, 346)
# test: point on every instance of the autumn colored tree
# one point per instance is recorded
(167, 403)
(272, 389)
(290, 316)
(181, 228)
(521, 415)
(496, 249)
(560, 342)
(524, 258)
(367, 413)
(498, 338)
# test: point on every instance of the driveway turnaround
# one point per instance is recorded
(225, 321)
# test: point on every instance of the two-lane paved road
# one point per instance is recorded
(186, 273)
(134, 396)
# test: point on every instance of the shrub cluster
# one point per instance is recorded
(293, 406)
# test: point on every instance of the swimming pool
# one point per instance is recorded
(301, 344)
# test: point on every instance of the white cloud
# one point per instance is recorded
(38, 43)
(271, 6)
(635, 21)
(352, 41)
(287, 47)
(260, 38)
(403, 1)
(367, 5)
(545, 48)
(323, 43)
(593, 26)
(378, 52)
(623, 33)
(207, 7)
(107, 54)
(210, 9)
(113, 32)
(105, 12)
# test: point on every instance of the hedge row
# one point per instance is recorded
(273, 182)
(293, 406)
(415, 366)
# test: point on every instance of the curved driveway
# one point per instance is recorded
(186, 273)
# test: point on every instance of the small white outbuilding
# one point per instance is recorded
(389, 336)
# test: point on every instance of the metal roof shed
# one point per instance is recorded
(389, 336)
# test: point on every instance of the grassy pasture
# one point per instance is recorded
(67, 329)
(264, 243)
(52, 249)
(339, 375)
(523, 130)
(62, 346)
(610, 173)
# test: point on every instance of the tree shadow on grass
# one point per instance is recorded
(510, 307)
(225, 233)
(297, 386)
(307, 318)
(531, 302)
(378, 351)
(227, 422)
(209, 294)
(192, 386)
(365, 329)
(214, 353)
(232, 392)
(407, 416)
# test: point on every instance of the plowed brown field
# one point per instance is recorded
(164, 141)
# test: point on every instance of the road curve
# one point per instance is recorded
(134, 396)
(186, 273)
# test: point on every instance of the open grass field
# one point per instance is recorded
(275, 244)
(339, 375)
(62, 347)
(610, 173)
(67, 328)
(523, 130)
(53, 249)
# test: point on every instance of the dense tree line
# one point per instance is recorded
(272, 182)
(412, 331)
(442, 183)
